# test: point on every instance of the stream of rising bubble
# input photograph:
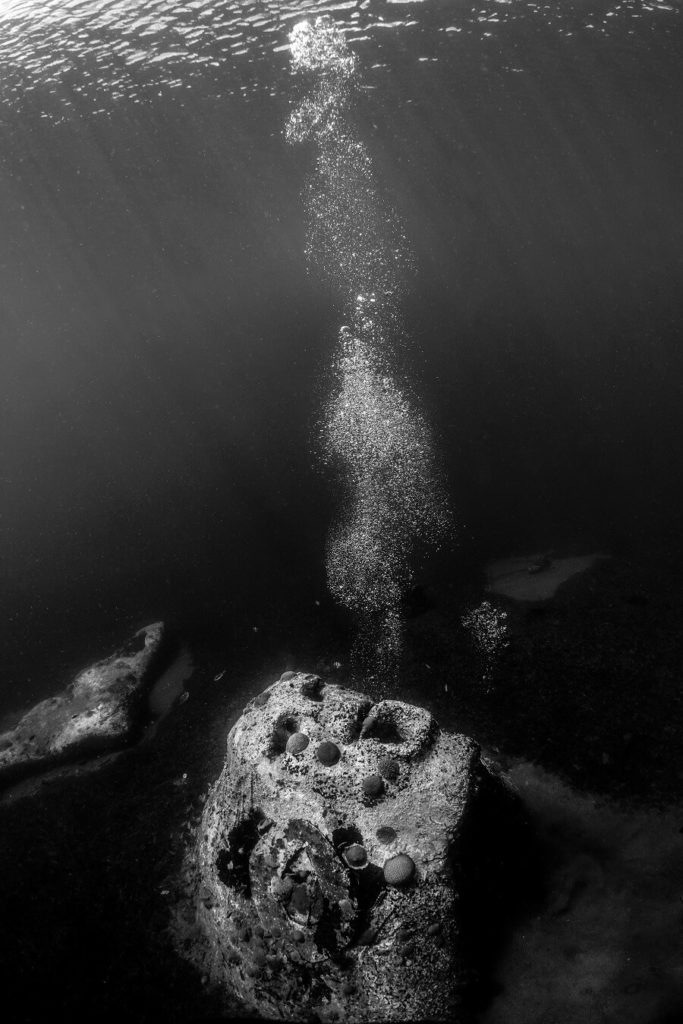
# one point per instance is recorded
(373, 437)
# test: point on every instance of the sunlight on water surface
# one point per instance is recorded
(99, 52)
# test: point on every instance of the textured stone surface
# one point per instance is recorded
(99, 711)
(295, 914)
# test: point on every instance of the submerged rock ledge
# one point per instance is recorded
(101, 710)
(329, 864)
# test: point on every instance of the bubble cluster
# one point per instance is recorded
(354, 239)
(380, 447)
(319, 47)
(489, 630)
(373, 436)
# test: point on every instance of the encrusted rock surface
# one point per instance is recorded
(99, 711)
(315, 896)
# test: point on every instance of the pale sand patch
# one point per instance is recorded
(535, 577)
(170, 684)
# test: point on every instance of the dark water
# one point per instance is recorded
(164, 347)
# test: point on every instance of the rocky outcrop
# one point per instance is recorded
(326, 874)
(101, 710)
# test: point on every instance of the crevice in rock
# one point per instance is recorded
(342, 836)
(361, 714)
(365, 887)
(232, 863)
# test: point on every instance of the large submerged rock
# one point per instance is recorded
(326, 874)
(101, 710)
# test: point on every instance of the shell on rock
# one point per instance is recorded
(297, 742)
(328, 753)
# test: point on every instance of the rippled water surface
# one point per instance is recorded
(128, 48)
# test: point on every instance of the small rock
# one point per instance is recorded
(311, 687)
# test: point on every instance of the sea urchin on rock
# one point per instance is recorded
(373, 785)
(399, 870)
(389, 768)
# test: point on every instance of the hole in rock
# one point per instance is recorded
(285, 726)
(343, 836)
(385, 730)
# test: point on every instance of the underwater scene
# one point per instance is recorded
(341, 476)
